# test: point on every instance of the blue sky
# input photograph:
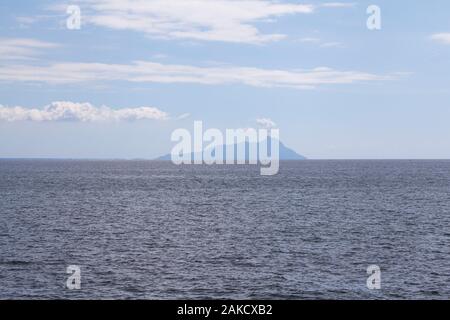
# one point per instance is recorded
(137, 70)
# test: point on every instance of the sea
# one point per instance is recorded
(154, 230)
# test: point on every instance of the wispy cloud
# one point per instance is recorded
(338, 5)
(22, 48)
(84, 112)
(319, 42)
(152, 72)
(218, 20)
(332, 44)
(309, 40)
(443, 38)
(183, 116)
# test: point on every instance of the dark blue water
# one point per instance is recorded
(142, 229)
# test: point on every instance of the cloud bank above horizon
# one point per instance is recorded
(81, 112)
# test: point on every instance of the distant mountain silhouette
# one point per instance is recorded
(285, 153)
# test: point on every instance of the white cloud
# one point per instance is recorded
(84, 112)
(218, 20)
(266, 123)
(152, 72)
(22, 48)
(441, 37)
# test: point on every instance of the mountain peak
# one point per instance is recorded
(285, 153)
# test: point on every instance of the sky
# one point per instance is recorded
(135, 71)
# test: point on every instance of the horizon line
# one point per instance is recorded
(159, 160)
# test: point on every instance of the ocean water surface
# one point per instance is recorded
(153, 230)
